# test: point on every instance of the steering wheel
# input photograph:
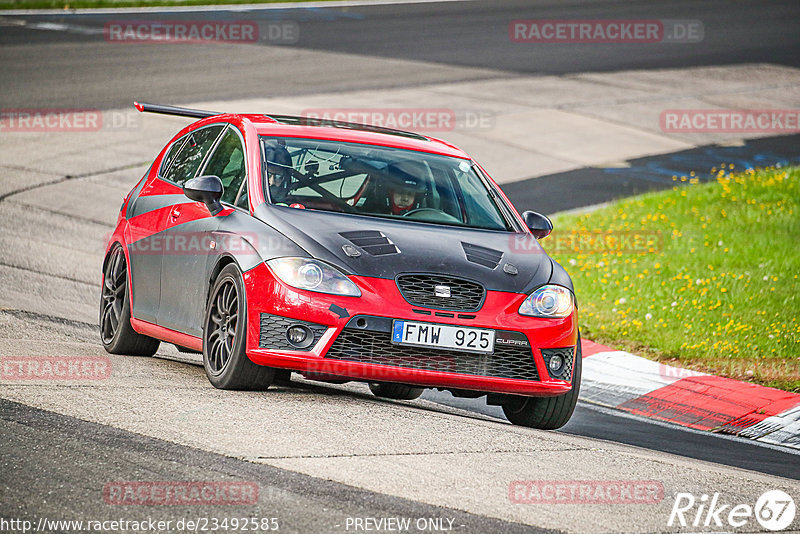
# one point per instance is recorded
(437, 215)
(422, 210)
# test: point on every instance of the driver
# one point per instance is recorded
(402, 200)
(279, 171)
(404, 190)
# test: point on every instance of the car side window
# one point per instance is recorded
(227, 162)
(191, 155)
(170, 156)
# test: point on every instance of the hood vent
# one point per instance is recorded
(372, 242)
(486, 257)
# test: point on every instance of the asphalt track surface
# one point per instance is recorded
(35, 438)
(461, 41)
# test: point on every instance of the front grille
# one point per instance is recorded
(420, 290)
(272, 334)
(364, 346)
(567, 354)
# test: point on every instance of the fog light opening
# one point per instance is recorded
(299, 336)
(556, 363)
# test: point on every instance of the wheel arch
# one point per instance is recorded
(113, 243)
(110, 247)
(222, 262)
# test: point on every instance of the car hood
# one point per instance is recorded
(384, 248)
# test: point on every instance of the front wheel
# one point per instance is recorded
(546, 413)
(224, 337)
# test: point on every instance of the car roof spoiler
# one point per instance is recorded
(283, 119)
(174, 110)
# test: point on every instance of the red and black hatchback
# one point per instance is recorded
(343, 252)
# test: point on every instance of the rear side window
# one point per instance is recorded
(192, 153)
(227, 162)
(170, 156)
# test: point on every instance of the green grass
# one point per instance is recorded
(712, 284)
(83, 4)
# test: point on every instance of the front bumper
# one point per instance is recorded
(352, 338)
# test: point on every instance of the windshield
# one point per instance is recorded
(378, 181)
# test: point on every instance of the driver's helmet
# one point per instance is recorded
(405, 188)
(279, 171)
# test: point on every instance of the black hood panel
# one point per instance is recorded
(386, 248)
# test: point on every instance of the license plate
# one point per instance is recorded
(442, 336)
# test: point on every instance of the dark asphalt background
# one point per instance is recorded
(75, 69)
(78, 68)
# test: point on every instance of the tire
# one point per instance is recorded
(546, 413)
(224, 337)
(116, 332)
(283, 378)
(388, 390)
(187, 350)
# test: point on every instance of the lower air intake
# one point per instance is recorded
(565, 373)
(365, 346)
(272, 333)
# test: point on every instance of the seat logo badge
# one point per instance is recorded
(441, 291)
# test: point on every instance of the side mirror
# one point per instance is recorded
(205, 189)
(539, 225)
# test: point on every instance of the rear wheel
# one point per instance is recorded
(116, 332)
(395, 391)
(224, 337)
(546, 413)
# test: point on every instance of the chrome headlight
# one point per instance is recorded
(313, 275)
(550, 301)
